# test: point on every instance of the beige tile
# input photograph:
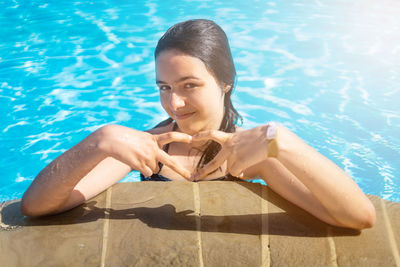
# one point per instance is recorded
(70, 239)
(296, 237)
(157, 223)
(371, 247)
(152, 224)
(230, 223)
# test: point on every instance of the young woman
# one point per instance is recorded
(200, 141)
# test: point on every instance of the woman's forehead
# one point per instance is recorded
(174, 66)
(181, 79)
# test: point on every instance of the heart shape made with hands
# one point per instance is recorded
(170, 137)
(240, 150)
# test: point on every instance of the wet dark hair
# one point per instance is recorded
(205, 40)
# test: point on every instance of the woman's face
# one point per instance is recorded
(188, 92)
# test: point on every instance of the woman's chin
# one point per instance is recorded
(192, 127)
(188, 130)
(188, 127)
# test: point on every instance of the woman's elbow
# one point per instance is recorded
(369, 218)
(31, 209)
(361, 219)
(27, 209)
(366, 218)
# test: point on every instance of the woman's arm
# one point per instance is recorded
(75, 176)
(299, 173)
(328, 184)
(94, 164)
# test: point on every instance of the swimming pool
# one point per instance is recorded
(328, 70)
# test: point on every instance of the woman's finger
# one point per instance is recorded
(170, 162)
(217, 136)
(219, 159)
(236, 169)
(157, 169)
(165, 138)
(146, 171)
(150, 161)
(153, 165)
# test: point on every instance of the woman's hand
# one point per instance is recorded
(141, 150)
(241, 150)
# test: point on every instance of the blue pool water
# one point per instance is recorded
(328, 70)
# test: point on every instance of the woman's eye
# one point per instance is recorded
(190, 85)
(164, 87)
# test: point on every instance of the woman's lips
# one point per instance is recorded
(183, 116)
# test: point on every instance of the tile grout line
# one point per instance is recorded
(389, 230)
(265, 250)
(106, 227)
(196, 196)
(332, 248)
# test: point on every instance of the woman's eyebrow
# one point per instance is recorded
(179, 80)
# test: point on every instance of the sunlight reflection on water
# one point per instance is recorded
(327, 70)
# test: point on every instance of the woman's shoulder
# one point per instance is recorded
(239, 129)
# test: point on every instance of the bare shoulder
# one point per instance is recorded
(239, 129)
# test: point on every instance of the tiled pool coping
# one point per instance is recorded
(193, 224)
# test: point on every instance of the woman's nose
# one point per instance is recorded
(177, 101)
